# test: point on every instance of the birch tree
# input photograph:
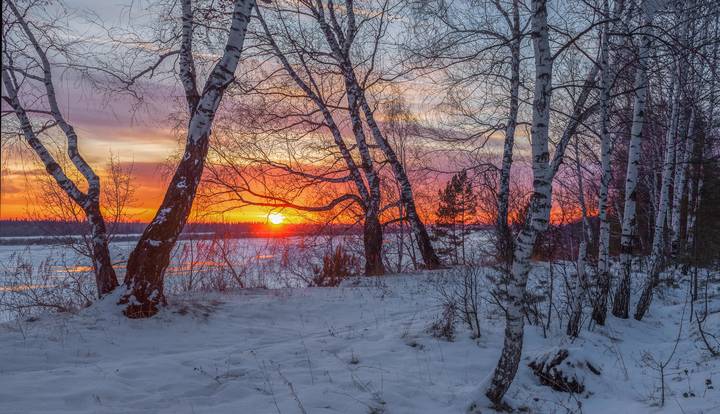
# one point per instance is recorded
(540, 204)
(606, 75)
(300, 99)
(544, 170)
(340, 41)
(663, 202)
(26, 65)
(581, 282)
(684, 147)
(629, 225)
(144, 280)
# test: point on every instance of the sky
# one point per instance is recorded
(142, 139)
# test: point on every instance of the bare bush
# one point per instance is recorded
(30, 290)
(336, 266)
(444, 326)
(215, 265)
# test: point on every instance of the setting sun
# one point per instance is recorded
(276, 218)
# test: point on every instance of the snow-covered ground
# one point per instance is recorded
(361, 348)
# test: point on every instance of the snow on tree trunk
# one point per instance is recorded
(629, 225)
(663, 202)
(144, 280)
(538, 213)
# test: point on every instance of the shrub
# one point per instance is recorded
(337, 265)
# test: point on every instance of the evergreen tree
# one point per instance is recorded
(456, 209)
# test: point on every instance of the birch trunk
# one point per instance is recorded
(629, 224)
(663, 202)
(704, 150)
(144, 280)
(573, 327)
(600, 304)
(505, 247)
(373, 241)
(372, 229)
(684, 147)
(679, 186)
(538, 214)
(694, 199)
(340, 42)
(406, 193)
(105, 277)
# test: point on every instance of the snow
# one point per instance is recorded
(361, 348)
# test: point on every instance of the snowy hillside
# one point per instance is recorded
(362, 348)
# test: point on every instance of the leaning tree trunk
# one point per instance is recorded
(106, 280)
(406, 193)
(663, 202)
(340, 44)
(144, 280)
(621, 302)
(538, 214)
(373, 237)
(372, 229)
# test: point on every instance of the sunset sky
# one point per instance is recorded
(143, 138)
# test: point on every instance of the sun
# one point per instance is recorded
(276, 218)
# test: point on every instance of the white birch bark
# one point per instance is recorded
(105, 277)
(370, 194)
(600, 305)
(539, 212)
(504, 247)
(629, 223)
(684, 149)
(504, 190)
(340, 42)
(662, 204)
(144, 280)
(580, 288)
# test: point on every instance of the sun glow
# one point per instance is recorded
(276, 218)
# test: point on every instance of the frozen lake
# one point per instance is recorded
(44, 272)
(189, 256)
